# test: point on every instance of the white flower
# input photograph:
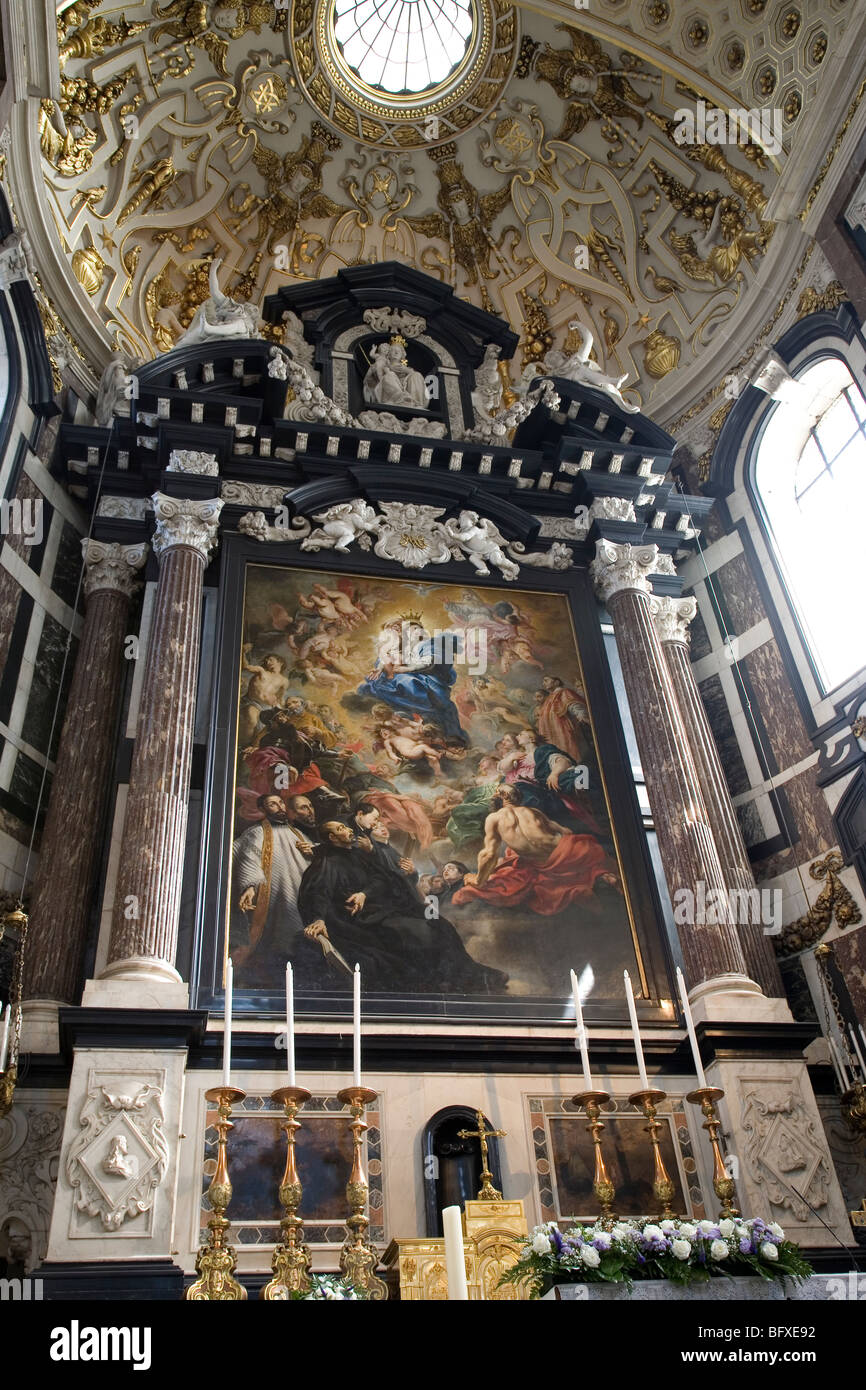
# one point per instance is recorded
(688, 1230)
(653, 1232)
(727, 1228)
(707, 1227)
(590, 1256)
(541, 1243)
(719, 1250)
(769, 1251)
(776, 1230)
(669, 1225)
(603, 1240)
(621, 1230)
(681, 1249)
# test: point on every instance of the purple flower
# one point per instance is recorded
(557, 1240)
(746, 1246)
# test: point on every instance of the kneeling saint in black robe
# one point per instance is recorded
(374, 915)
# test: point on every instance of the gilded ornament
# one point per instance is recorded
(826, 301)
(833, 902)
(89, 268)
(661, 353)
(153, 183)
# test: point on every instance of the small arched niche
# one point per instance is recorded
(451, 1165)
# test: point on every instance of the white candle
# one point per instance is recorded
(862, 1034)
(690, 1025)
(841, 1073)
(581, 1033)
(632, 1013)
(455, 1261)
(857, 1052)
(356, 1026)
(290, 1023)
(227, 1027)
(5, 1020)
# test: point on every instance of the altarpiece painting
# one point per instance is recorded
(417, 787)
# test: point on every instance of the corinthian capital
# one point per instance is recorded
(619, 567)
(672, 617)
(182, 521)
(112, 566)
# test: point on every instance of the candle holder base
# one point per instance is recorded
(292, 1263)
(359, 1257)
(602, 1186)
(648, 1100)
(723, 1184)
(216, 1261)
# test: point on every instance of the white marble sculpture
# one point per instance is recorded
(487, 395)
(342, 525)
(115, 390)
(480, 540)
(576, 366)
(220, 316)
(391, 381)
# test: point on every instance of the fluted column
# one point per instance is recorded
(147, 898)
(672, 617)
(68, 860)
(712, 952)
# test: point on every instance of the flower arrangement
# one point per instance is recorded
(683, 1251)
(329, 1287)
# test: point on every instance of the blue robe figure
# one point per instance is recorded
(422, 683)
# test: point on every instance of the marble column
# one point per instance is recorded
(69, 854)
(713, 956)
(672, 617)
(147, 897)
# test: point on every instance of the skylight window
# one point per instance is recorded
(403, 46)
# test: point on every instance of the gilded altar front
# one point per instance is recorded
(492, 1234)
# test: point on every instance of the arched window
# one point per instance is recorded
(809, 476)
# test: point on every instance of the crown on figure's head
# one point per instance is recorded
(410, 617)
(398, 339)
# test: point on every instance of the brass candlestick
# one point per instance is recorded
(604, 1190)
(215, 1262)
(358, 1257)
(292, 1262)
(663, 1188)
(723, 1185)
(853, 1104)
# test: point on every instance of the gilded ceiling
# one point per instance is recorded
(546, 185)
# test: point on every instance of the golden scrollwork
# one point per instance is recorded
(152, 185)
(833, 902)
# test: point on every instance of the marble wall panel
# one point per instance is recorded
(850, 953)
(738, 595)
(50, 674)
(721, 724)
(778, 708)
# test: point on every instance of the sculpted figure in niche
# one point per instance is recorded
(390, 380)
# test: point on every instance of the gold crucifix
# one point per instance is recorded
(488, 1192)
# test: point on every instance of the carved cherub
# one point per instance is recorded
(480, 540)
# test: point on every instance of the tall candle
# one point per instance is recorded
(356, 1026)
(841, 1073)
(690, 1026)
(581, 1033)
(455, 1262)
(635, 1031)
(857, 1052)
(227, 1028)
(5, 1020)
(290, 1023)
